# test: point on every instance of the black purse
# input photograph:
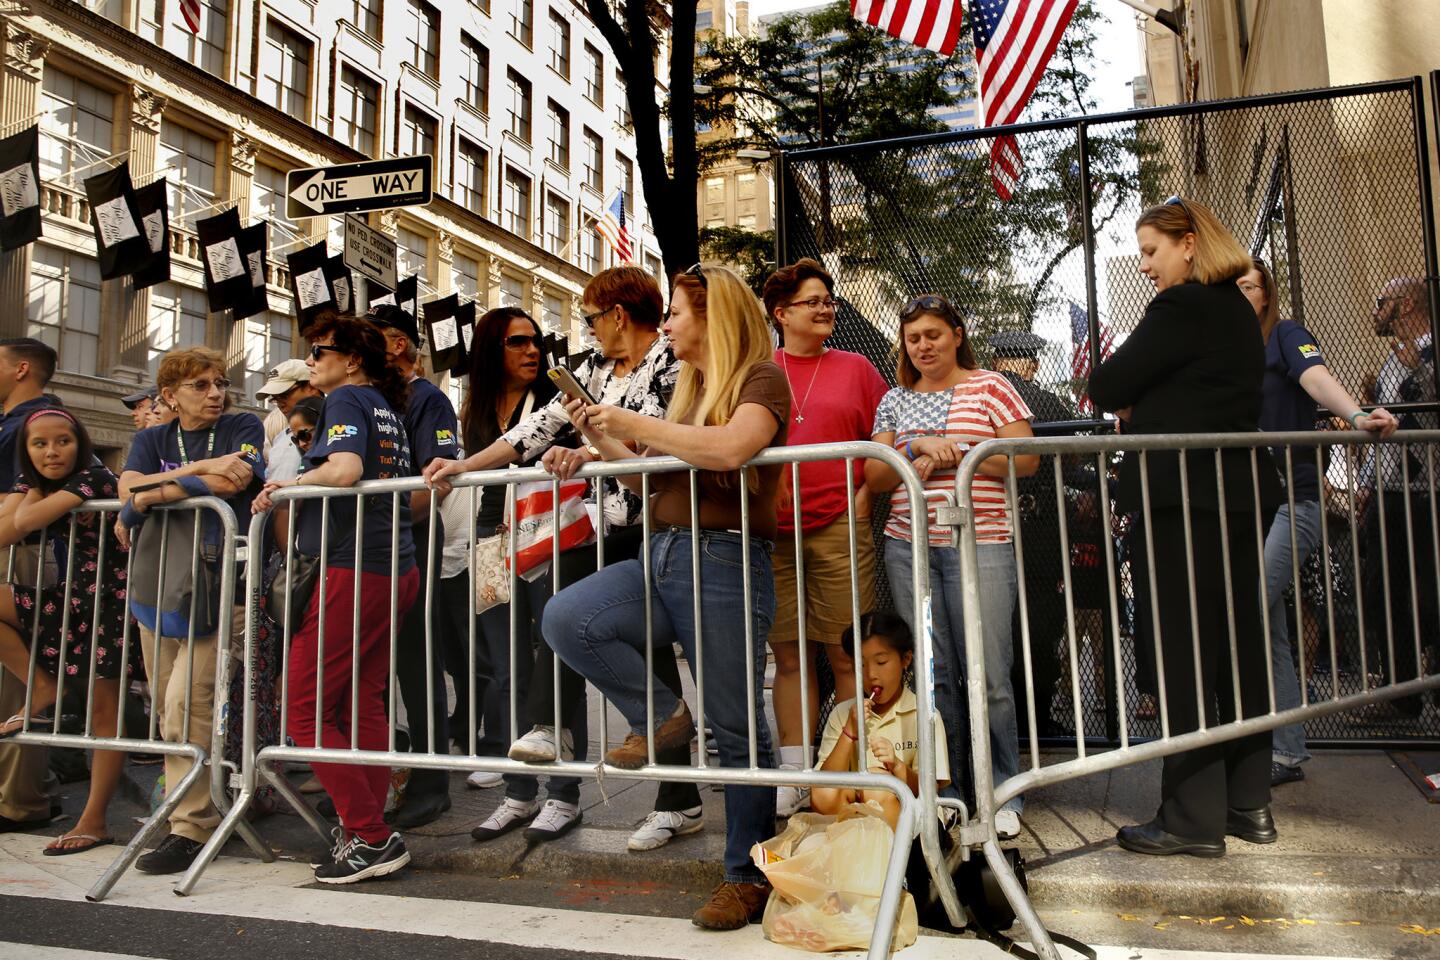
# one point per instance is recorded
(303, 571)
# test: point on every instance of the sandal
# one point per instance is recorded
(6, 734)
(54, 850)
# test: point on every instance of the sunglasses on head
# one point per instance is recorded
(699, 274)
(1177, 201)
(931, 303)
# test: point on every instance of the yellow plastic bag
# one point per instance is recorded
(827, 873)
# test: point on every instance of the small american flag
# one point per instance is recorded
(1080, 356)
(190, 11)
(932, 24)
(1014, 40)
(611, 226)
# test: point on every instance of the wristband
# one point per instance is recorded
(847, 733)
(909, 453)
(1356, 416)
(193, 486)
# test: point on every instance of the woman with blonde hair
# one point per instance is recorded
(731, 401)
(1196, 364)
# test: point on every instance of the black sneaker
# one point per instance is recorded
(358, 860)
(174, 855)
(1281, 773)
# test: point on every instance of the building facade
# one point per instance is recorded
(519, 103)
(736, 192)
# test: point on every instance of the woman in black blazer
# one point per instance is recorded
(1195, 365)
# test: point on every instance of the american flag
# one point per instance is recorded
(611, 226)
(1080, 355)
(932, 24)
(190, 11)
(1013, 42)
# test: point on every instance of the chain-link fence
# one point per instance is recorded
(1330, 187)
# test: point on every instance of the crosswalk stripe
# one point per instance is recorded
(35, 951)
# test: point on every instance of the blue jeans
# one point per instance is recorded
(597, 626)
(1288, 742)
(997, 606)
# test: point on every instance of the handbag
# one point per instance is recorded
(165, 607)
(304, 570)
(492, 573)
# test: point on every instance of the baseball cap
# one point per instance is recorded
(1016, 343)
(135, 399)
(390, 315)
(286, 375)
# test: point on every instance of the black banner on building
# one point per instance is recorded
(442, 333)
(227, 274)
(119, 235)
(20, 189)
(342, 284)
(254, 243)
(152, 203)
(406, 296)
(465, 320)
(308, 283)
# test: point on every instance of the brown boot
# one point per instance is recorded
(675, 732)
(732, 906)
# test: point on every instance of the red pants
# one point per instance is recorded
(358, 790)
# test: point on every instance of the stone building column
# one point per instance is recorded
(127, 323)
(19, 103)
(537, 303)
(230, 340)
(493, 276)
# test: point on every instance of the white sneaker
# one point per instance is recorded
(1007, 824)
(790, 800)
(661, 826)
(556, 819)
(538, 746)
(509, 815)
(483, 780)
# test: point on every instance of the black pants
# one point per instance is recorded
(1197, 786)
(538, 691)
(1406, 595)
(424, 700)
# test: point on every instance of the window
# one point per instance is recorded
(745, 212)
(364, 15)
(714, 200)
(357, 101)
(559, 135)
(594, 150)
(622, 104)
(482, 5)
(704, 19)
(553, 314)
(267, 202)
(76, 125)
(152, 14)
(512, 292)
(477, 73)
(559, 44)
(592, 251)
(519, 104)
(466, 273)
(424, 38)
(653, 267)
(522, 22)
(412, 253)
(627, 182)
(517, 203)
(206, 48)
(64, 307)
(472, 174)
(187, 160)
(417, 133)
(285, 70)
(557, 223)
(267, 342)
(594, 75)
(177, 318)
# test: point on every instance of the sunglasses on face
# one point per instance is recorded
(1381, 301)
(590, 318)
(303, 436)
(318, 350)
(203, 386)
(520, 341)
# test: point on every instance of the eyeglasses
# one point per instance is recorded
(319, 349)
(1381, 301)
(303, 436)
(520, 341)
(1177, 201)
(590, 318)
(815, 304)
(699, 274)
(203, 386)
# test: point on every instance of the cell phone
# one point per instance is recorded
(568, 385)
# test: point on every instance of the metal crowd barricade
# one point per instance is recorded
(151, 741)
(1409, 455)
(263, 763)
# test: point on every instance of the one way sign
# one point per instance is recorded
(357, 187)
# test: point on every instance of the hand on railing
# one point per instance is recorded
(1379, 421)
(563, 462)
(438, 471)
(262, 501)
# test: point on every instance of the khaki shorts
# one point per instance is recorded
(827, 581)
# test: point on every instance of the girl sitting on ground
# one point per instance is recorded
(890, 718)
(59, 472)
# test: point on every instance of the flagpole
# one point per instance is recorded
(69, 181)
(1170, 19)
(16, 124)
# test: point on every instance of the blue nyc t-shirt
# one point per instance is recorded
(430, 423)
(357, 419)
(1290, 351)
(158, 450)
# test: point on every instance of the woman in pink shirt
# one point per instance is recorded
(835, 394)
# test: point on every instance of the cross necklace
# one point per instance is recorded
(800, 407)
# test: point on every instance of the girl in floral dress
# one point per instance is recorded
(59, 472)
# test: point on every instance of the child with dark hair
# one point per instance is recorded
(58, 472)
(889, 715)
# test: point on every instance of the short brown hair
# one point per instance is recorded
(631, 287)
(1218, 255)
(1271, 314)
(366, 343)
(180, 365)
(905, 370)
(782, 284)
